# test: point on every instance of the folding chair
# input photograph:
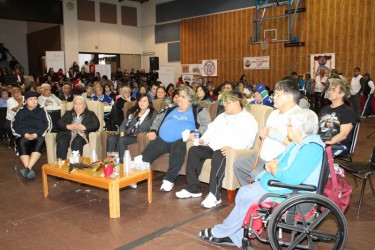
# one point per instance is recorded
(348, 156)
(362, 170)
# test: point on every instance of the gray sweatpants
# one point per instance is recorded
(243, 168)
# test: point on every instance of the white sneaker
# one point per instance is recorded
(210, 201)
(134, 186)
(184, 194)
(166, 186)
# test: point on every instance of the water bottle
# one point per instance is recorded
(196, 138)
(94, 156)
(127, 160)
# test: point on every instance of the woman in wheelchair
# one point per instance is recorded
(74, 128)
(299, 163)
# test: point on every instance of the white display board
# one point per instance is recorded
(56, 60)
(103, 69)
(166, 75)
(259, 62)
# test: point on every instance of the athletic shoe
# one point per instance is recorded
(210, 201)
(184, 194)
(166, 186)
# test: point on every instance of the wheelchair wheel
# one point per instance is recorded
(323, 225)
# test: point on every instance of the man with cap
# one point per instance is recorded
(29, 126)
(261, 96)
(51, 103)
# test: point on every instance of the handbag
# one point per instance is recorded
(336, 189)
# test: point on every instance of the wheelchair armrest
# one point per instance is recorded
(301, 187)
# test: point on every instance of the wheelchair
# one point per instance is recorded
(301, 221)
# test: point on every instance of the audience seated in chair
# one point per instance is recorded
(261, 95)
(124, 97)
(236, 128)
(101, 97)
(337, 119)
(166, 134)
(203, 94)
(161, 95)
(274, 135)
(51, 103)
(66, 93)
(29, 126)
(290, 167)
(74, 128)
(138, 120)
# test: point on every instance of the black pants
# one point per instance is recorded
(176, 150)
(318, 101)
(115, 143)
(63, 144)
(26, 147)
(8, 131)
(196, 157)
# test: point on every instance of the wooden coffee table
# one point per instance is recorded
(92, 178)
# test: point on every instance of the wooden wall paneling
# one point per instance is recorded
(338, 26)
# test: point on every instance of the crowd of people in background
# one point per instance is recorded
(312, 111)
(55, 87)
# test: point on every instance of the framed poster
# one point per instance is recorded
(209, 67)
(322, 61)
(195, 69)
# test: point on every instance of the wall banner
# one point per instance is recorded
(259, 62)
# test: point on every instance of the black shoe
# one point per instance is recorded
(24, 172)
(206, 234)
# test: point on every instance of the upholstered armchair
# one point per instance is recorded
(94, 137)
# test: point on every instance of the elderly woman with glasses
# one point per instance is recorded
(125, 96)
(299, 163)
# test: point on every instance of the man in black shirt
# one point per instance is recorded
(336, 121)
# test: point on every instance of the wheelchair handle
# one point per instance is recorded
(301, 187)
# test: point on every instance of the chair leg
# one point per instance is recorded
(372, 186)
(230, 195)
(355, 181)
(15, 163)
(362, 193)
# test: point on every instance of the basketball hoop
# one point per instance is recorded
(265, 42)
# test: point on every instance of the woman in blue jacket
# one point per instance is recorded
(29, 126)
(290, 167)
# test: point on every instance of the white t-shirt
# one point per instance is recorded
(235, 131)
(272, 148)
(49, 103)
(319, 87)
(12, 103)
(355, 85)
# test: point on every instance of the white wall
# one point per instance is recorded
(148, 38)
(13, 35)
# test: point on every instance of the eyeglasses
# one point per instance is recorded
(277, 94)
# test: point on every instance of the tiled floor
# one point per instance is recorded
(76, 216)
